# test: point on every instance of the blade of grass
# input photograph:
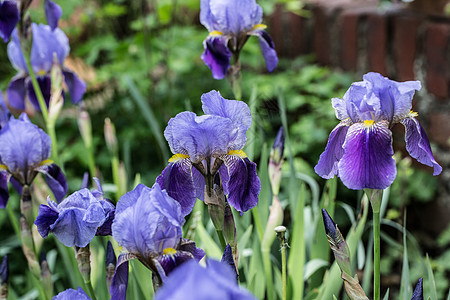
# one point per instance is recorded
(405, 290)
(430, 280)
(149, 116)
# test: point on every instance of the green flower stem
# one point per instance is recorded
(376, 257)
(283, 270)
(90, 289)
(257, 220)
(91, 161)
(268, 271)
(375, 197)
(116, 177)
(50, 126)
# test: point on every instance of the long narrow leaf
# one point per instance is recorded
(431, 282)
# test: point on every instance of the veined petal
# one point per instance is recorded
(327, 166)
(119, 283)
(4, 194)
(418, 291)
(168, 262)
(16, 92)
(75, 85)
(237, 111)
(268, 49)
(52, 12)
(234, 17)
(176, 179)
(418, 145)
(189, 246)
(200, 137)
(71, 294)
(9, 16)
(56, 180)
(367, 161)
(45, 84)
(217, 56)
(243, 183)
(46, 217)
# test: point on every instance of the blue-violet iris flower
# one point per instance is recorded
(9, 16)
(71, 294)
(46, 44)
(193, 282)
(147, 225)
(230, 23)
(52, 12)
(25, 151)
(210, 145)
(78, 218)
(4, 112)
(359, 149)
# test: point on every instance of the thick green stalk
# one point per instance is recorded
(90, 289)
(268, 272)
(221, 238)
(376, 256)
(283, 274)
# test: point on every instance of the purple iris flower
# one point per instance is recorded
(78, 218)
(359, 148)
(147, 225)
(25, 151)
(9, 16)
(46, 44)
(230, 23)
(192, 281)
(210, 145)
(71, 294)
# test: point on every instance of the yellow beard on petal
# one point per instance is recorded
(178, 157)
(259, 27)
(239, 153)
(169, 251)
(368, 123)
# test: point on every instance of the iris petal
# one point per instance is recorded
(52, 12)
(45, 85)
(15, 53)
(56, 180)
(367, 161)
(46, 217)
(171, 261)
(9, 16)
(327, 166)
(75, 85)
(4, 194)
(16, 92)
(418, 145)
(176, 179)
(119, 284)
(217, 56)
(243, 183)
(268, 49)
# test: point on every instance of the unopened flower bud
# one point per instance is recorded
(229, 227)
(26, 205)
(337, 243)
(110, 136)
(4, 275)
(418, 291)
(110, 263)
(276, 161)
(216, 207)
(82, 254)
(85, 127)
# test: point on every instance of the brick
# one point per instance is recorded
(404, 45)
(348, 40)
(436, 67)
(377, 43)
(439, 129)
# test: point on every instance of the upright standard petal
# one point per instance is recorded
(9, 16)
(243, 183)
(26, 146)
(52, 12)
(16, 92)
(418, 145)
(327, 166)
(367, 161)
(217, 56)
(15, 54)
(147, 221)
(4, 194)
(75, 85)
(234, 17)
(237, 111)
(268, 49)
(199, 137)
(176, 179)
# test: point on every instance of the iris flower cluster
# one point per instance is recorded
(230, 23)
(208, 146)
(359, 149)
